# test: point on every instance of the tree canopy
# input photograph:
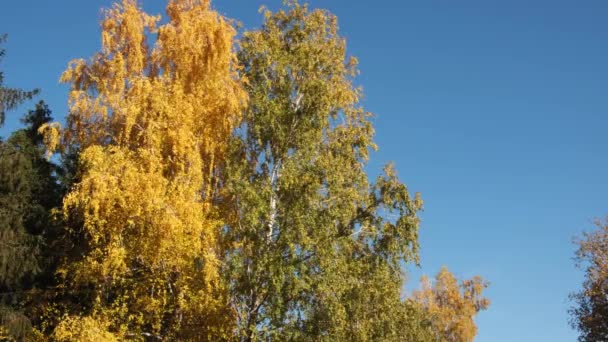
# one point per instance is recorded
(590, 313)
(312, 247)
(204, 188)
(150, 121)
(28, 192)
(451, 305)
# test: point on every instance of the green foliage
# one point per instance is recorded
(14, 325)
(11, 97)
(203, 196)
(312, 249)
(28, 192)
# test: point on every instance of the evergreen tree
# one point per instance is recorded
(28, 191)
(313, 249)
(11, 97)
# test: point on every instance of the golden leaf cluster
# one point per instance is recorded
(150, 123)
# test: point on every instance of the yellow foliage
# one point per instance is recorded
(451, 306)
(151, 124)
(77, 329)
(51, 133)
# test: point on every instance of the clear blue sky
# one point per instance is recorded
(496, 111)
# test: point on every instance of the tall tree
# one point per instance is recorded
(16, 259)
(11, 97)
(150, 122)
(313, 250)
(590, 315)
(28, 192)
(451, 305)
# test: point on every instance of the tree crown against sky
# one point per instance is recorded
(590, 310)
(149, 121)
(272, 150)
